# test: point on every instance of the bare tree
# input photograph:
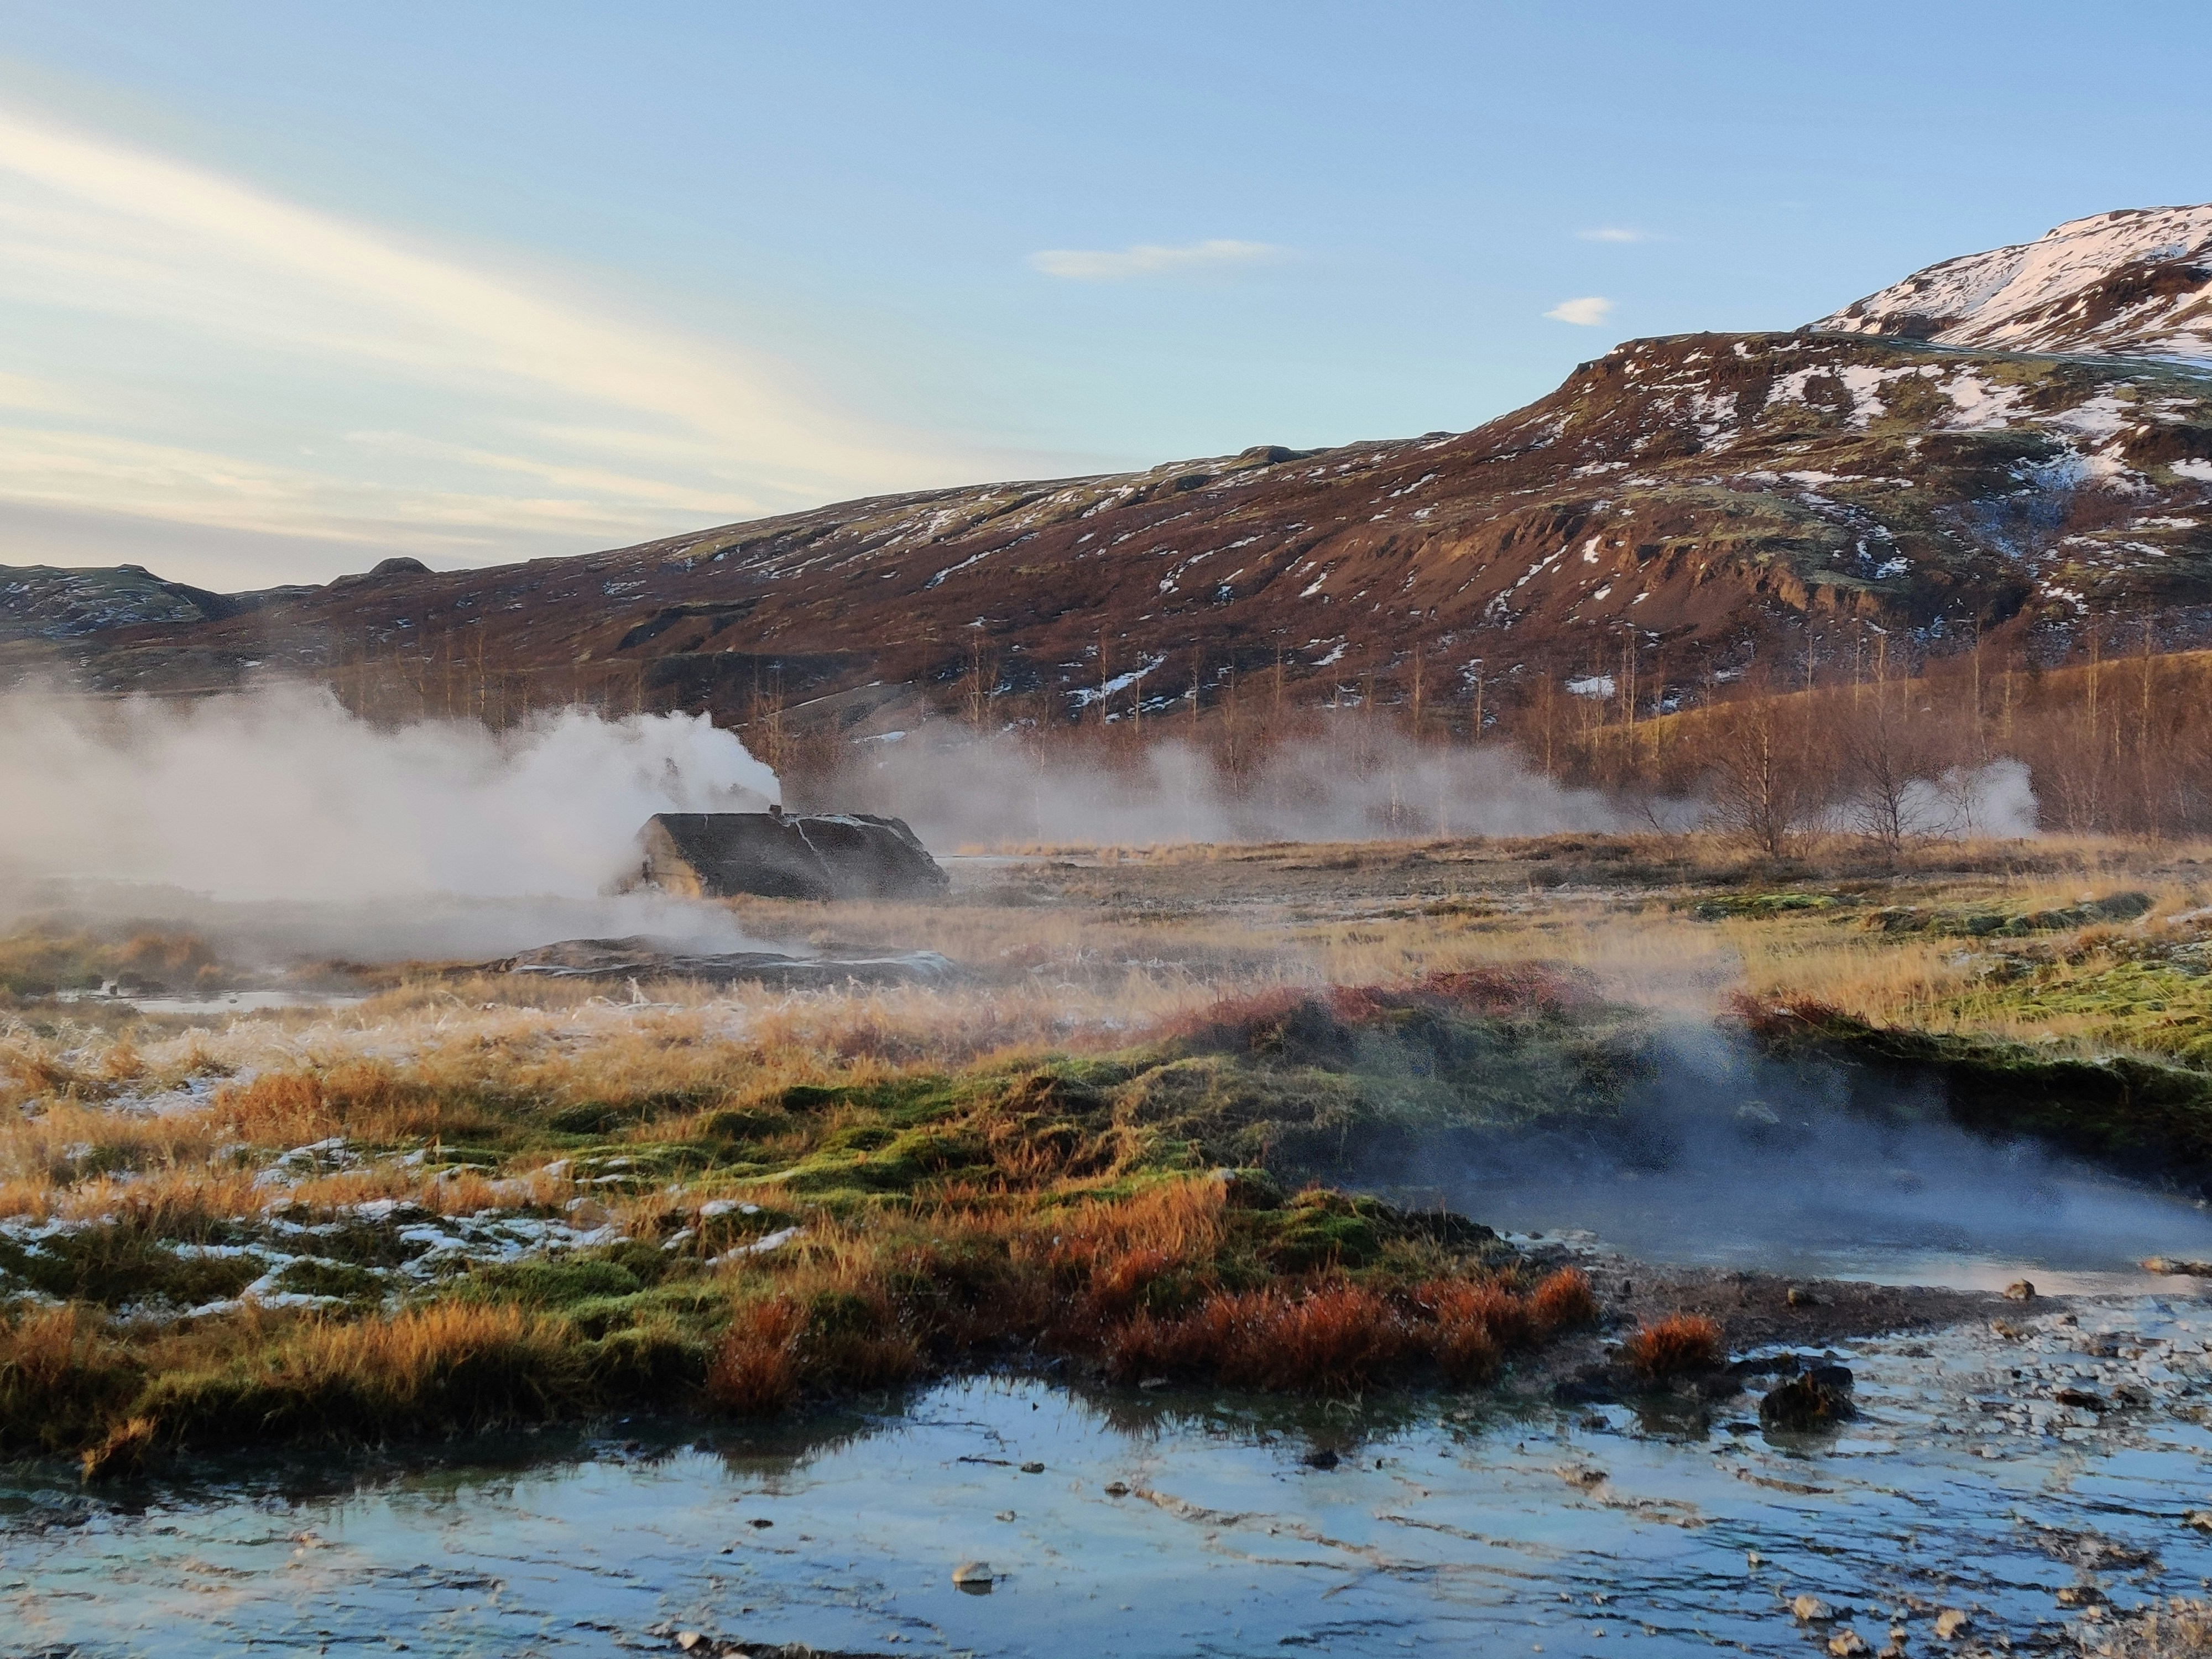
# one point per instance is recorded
(1890, 767)
(1763, 790)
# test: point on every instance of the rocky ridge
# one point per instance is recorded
(2136, 282)
(1675, 502)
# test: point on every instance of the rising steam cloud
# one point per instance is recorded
(283, 794)
(1355, 784)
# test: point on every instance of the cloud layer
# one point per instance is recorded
(1149, 259)
(185, 347)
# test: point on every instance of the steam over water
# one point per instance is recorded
(1736, 1159)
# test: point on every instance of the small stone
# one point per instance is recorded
(2079, 1596)
(2200, 1519)
(689, 1639)
(1032, 1468)
(1004, 1515)
(1848, 1645)
(760, 1520)
(1808, 1609)
(1117, 1489)
(1950, 1622)
(2020, 1290)
(974, 1577)
(1323, 1459)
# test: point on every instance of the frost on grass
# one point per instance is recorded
(415, 1225)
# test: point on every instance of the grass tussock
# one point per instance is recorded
(1678, 1344)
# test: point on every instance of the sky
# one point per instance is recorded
(288, 289)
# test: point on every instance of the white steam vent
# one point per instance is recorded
(283, 794)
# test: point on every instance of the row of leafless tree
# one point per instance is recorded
(2100, 746)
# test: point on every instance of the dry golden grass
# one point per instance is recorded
(404, 1066)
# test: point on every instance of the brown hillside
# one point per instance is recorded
(1671, 506)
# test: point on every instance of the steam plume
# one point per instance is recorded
(283, 794)
(1344, 785)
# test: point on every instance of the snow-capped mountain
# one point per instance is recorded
(2134, 282)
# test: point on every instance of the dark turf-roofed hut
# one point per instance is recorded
(811, 855)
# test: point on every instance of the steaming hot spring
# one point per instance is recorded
(659, 1218)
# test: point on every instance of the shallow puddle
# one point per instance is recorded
(1444, 1524)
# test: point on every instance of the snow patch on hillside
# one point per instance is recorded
(2131, 282)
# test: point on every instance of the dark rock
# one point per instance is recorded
(775, 855)
(1595, 1386)
(1323, 1459)
(1820, 1397)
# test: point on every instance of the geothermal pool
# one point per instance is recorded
(1444, 1524)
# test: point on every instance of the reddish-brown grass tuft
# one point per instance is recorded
(1679, 1344)
(1511, 989)
(1509, 1319)
(755, 1371)
(1564, 1302)
(1335, 1340)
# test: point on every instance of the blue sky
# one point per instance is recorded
(285, 288)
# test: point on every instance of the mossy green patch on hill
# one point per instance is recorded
(2157, 1007)
(1994, 921)
(1761, 907)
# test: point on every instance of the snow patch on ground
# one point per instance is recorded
(1978, 405)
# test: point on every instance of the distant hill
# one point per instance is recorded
(2015, 445)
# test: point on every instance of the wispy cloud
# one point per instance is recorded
(123, 268)
(1149, 259)
(1613, 234)
(1587, 313)
(79, 470)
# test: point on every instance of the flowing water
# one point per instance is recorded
(1477, 1530)
(2061, 1447)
